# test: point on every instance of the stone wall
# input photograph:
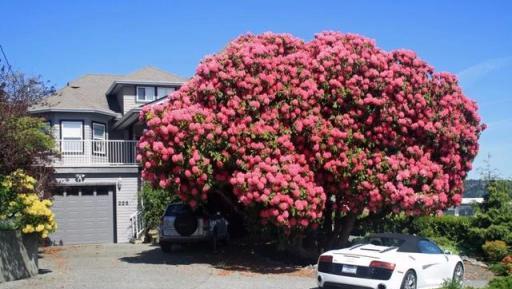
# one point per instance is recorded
(18, 255)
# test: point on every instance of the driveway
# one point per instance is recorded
(145, 266)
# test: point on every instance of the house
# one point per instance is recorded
(95, 123)
(474, 193)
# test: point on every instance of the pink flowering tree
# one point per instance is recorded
(303, 135)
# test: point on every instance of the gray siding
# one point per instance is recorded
(129, 195)
(129, 101)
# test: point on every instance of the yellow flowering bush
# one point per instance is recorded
(22, 207)
(36, 215)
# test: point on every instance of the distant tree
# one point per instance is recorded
(493, 217)
(25, 141)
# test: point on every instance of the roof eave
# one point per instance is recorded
(80, 110)
(128, 118)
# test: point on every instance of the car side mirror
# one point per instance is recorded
(447, 252)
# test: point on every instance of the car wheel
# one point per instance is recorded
(458, 273)
(166, 247)
(410, 281)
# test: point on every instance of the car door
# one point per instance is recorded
(433, 264)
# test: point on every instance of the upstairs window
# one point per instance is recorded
(145, 93)
(163, 91)
(99, 136)
(72, 136)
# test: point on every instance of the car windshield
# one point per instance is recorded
(381, 241)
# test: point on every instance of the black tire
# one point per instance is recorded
(186, 224)
(458, 273)
(166, 247)
(410, 280)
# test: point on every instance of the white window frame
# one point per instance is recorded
(79, 140)
(170, 89)
(146, 88)
(99, 144)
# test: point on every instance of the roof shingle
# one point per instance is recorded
(88, 93)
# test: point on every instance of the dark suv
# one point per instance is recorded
(181, 224)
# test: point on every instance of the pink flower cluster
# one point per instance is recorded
(283, 187)
(285, 126)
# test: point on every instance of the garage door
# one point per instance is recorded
(84, 214)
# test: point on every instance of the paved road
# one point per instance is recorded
(144, 266)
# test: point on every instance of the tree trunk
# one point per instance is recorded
(327, 224)
(297, 250)
(348, 225)
(341, 232)
(227, 201)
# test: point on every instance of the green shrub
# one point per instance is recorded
(495, 250)
(447, 244)
(154, 203)
(507, 263)
(450, 232)
(449, 284)
(493, 218)
(500, 283)
(447, 231)
(499, 269)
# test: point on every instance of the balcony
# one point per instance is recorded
(96, 153)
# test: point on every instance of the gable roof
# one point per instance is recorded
(89, 92)
(150, 73)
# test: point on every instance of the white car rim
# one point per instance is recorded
(459, 273)
(410, 281)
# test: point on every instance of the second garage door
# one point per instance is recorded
(84, 214)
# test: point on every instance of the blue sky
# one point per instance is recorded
(62, 40)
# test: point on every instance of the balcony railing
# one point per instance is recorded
(75, 153)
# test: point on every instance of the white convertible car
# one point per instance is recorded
(389, 261)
